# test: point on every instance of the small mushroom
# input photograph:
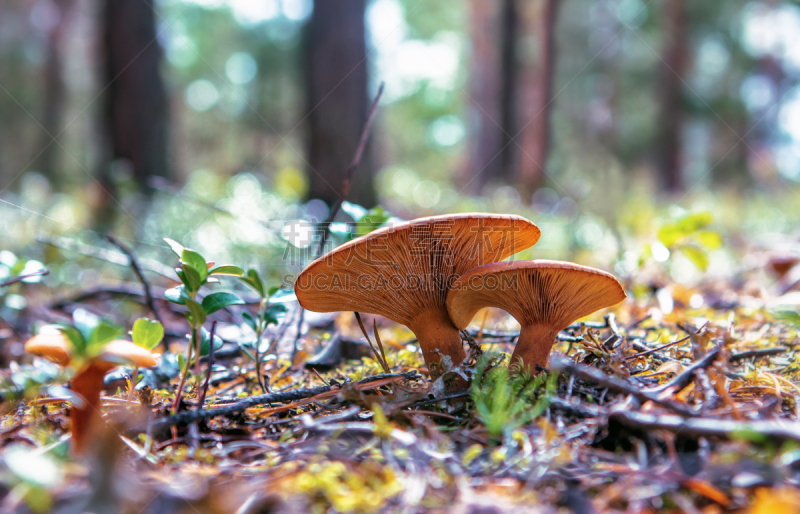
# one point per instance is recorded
(782, 264)
(53, 346)
(88, 381)
(404, 273)
(544, 297)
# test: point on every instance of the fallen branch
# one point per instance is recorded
(685, 377)
(102, 254)
(576, 409)
(708, 427)
(764, 352)
(20, 278)
(100, 293)
(184, 418)
(615, 383)
(657, 349)
(137, 270)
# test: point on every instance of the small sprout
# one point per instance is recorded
(147, 333)
(91, 363)
(504, 403)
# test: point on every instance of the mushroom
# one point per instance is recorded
(544, 297)
(88, 380)
(404, 272)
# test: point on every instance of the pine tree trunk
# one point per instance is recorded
(671, 93)
(337, 100)
(54, 95)
(537, 65)
(136, 106)
(487, 81)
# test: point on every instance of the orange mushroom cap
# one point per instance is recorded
(120, 352)
(404, 272)
(54, 346)
(544, 296)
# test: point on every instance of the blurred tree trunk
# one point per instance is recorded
(337, 99)
(136, 106)
(536, 48)
(491, 22)
(671, 94)
(509, 32)
(54, 93)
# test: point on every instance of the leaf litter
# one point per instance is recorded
(644, 408)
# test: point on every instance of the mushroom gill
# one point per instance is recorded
(543, 296)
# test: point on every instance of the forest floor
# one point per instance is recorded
(681, 400)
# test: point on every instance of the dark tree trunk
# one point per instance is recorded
(509, 33)
(537, 65)
(54, 94)
(671, 95)
(136, 106)
(488, 81)
(337, 99)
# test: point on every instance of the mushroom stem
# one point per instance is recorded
(533, 346)
(88, 384)
(438, 338)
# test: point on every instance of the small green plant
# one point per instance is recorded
(366, 220)
(147, 334)
(505, 402)
(194, 273)
(689, 235)
(88, 334)
(788, 315)
(268, 314)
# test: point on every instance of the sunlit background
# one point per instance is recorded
(235, 79)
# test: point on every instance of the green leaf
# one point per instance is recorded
(182, 362)
(205, 340)
(147, 333)
(694, 222)
(250, 320)
(191, 278)
(709, 239)
(104, 333)
(273, 313)
(196, 261)
(669, 235)
(253, 280)
(176, 295)
(749, 435)
(234, 271)
(247, 350)
(373, 219)
(176, 246)
(788, 315)
(216, 301)
(696, 255)
(75, 338)
(196, 312)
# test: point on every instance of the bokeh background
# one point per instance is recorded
(215, 122)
